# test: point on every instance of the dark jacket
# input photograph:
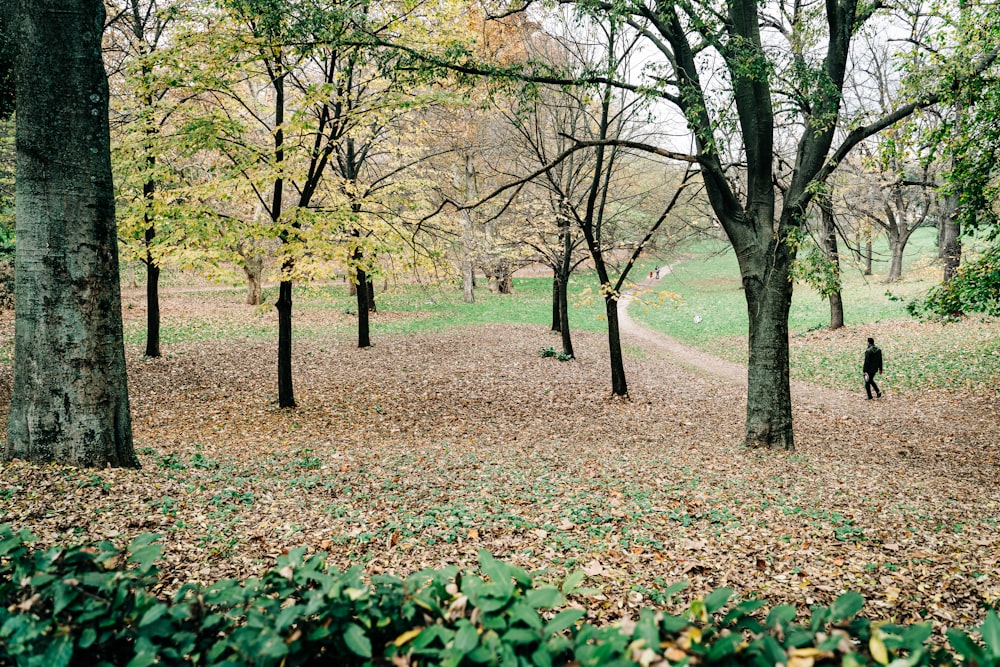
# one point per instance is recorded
(873, 360)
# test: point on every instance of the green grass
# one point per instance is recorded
(918, 356)
(403, 309)
(710, 288)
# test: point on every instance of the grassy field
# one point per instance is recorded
(402, 309)
(711, 315)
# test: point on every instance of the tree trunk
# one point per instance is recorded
(152, 305)
(567, 341)
(556, 318)
(364, 333)
(152, 270)
(286, 395)
(829, 243)
(505, 279)
(897, 244)
(468, 280)
(951, 247)
(769, 401)
(564, 273)
(618, 385)
(836, 310)
(371, 296)
(253, 268)
(70, 394)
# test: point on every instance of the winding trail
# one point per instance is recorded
(804, 394)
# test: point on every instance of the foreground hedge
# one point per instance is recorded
(93, 605)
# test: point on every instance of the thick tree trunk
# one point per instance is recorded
(618, 385)
(769, 401)
(371, 296)
(951, 247)
(836, 310)
(897, 244)
(70, 395)
(468, 281)
(253, 268)
(286, 395)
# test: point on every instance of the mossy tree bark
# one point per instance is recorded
(70, 396)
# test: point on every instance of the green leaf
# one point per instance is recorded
(523, 612)
(780, 615)
(145, 654)
(155, 613)
(724, 647)
(467, 637)
(563, 620)
(572, 581)
(356, 640)
(146, 556)
(991, 634)
(846, 606)
(489, 603)
(546, 597)
(59, 653)
(87, 638)
(519, 636)
(717, 599)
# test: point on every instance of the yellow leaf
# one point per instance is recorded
(407, 636)
(878, 650)
(805, 653)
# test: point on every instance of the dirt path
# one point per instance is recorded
(828, 400)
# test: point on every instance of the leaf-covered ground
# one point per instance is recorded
(426, 448)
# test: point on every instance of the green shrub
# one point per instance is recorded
(93, 605)
(975, 288)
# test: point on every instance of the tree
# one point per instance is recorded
(8, 50)
(759, 87)
(137, 30)
(70, 397)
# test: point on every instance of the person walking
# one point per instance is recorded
(872, 365)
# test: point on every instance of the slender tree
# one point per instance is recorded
(70, 397)
(136, 32)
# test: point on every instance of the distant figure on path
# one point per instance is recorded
(873, 365)
(657, 273)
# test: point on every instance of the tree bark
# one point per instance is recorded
(556, 318)
(253, 268)
(829, 244)
(897, 244)
(564, 331)
(951, 247)
(619, 386)
(371, 296)
(152, 304)
(70, 395)
(769, 400)
(364, 330)
(286, 394)
(152, 270)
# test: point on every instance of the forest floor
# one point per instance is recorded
(427, 448)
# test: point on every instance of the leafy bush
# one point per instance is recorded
(975, 288)
(93, 605)
(551, 352)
